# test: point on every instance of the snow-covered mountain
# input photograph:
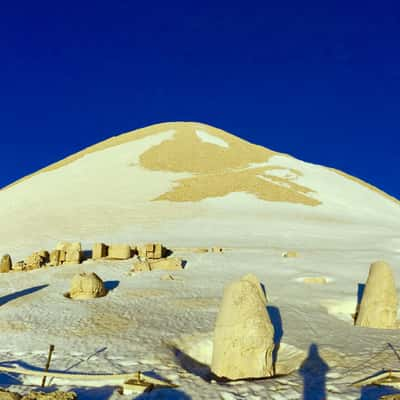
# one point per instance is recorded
(185, 183)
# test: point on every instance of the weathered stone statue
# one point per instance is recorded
(5, 263)
(87, 286)
(378, 307)
(244, 334)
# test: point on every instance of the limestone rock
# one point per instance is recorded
(63, 256)
(141, 266)
(378, 307)
(100, 250)
(87, 286)
(73, 256)
(5, 263)
(6, 395)
(200, 250)
(244, 334)
(152, 251)
(119, 251)
(290, 254)
(45, 255)
(58, 395)
(19, 266)
(66, 246)
(55, 258)
(167, 264)
(34, 261)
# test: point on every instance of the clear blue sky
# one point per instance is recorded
(319, 80)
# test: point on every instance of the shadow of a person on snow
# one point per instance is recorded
(314, 370)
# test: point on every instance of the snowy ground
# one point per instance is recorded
(132, 327)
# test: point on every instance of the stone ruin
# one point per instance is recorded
(378, 306)
(71, 253)
(86, 286)
(36, 260)
(152, 251)
(99, 251)
(166, 264)
(243, 340)
(5, 263)
(119, 251)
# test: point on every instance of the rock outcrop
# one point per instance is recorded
(6, 263)
(244, 335)
(378, 306)
(87, 286)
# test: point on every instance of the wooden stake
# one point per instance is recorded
(51, 349)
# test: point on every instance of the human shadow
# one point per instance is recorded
(313, 371)
(111, 285)
(375, 392)
(20, 293)
(167, 394)
(276, 320)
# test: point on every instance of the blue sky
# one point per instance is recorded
(318, 80)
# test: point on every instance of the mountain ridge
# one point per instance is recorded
(259, 153)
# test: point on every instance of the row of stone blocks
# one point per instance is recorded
(125, 251)
(71, 253)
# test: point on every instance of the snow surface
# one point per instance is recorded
(208, 138)
(132, 327)
(106, 196)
